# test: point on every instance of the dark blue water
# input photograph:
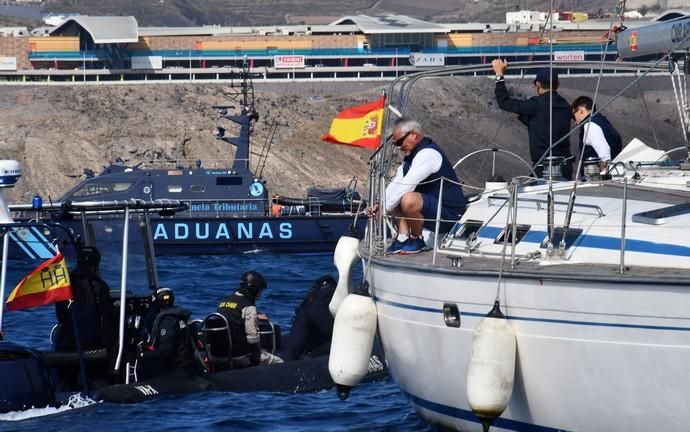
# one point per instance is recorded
(199, 282)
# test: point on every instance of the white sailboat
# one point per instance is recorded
(599, 298)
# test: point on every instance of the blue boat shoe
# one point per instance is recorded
(413, 246)
(395, 247)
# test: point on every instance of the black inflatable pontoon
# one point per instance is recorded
(298, 376)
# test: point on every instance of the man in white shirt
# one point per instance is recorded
(412, 196)
(600, 138)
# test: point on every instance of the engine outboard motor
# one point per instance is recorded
(26, 379)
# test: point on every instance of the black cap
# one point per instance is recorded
(253, 282)
(164, 297)
(544, 76)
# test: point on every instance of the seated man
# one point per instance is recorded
(412, 196)
(240, 311)
(312, 326)
(167, 335)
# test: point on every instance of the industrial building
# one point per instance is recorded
(115, 47)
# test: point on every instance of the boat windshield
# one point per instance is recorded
(100, 188)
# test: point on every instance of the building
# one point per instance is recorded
(352, 46)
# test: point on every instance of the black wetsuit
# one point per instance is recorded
(91, 313)
(312, 327)
(91, 305)
(168, 339)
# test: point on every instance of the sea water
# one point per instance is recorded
(199, 282)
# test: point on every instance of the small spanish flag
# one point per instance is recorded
(358, 126)
(48, 283)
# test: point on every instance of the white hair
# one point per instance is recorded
(406, 125)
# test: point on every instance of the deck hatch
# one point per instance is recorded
(508, 234)
(468, 228)
(660, 216)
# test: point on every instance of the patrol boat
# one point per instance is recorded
(229, 209)
(28, 374)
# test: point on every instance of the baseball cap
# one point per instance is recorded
(544, 76)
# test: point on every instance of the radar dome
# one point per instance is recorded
(10, 171)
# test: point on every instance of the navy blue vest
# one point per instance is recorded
(613, 138)
(453, 198)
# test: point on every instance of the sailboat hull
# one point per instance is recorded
(592, 354)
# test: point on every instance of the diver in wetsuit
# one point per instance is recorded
(90, 312)
(167, 336)
(240, 311)
(312, 326)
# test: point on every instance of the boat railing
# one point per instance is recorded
(398, 97)
(185, 164)
(49, 211)
(542, 202)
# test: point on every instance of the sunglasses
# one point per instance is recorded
(401, 140)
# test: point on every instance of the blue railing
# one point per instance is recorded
(69, 55)
(253, 53)
(523, 49)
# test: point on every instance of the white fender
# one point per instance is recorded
(353, 339)
(491, 371)
(344, 257)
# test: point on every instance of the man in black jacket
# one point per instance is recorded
(89, 315)
(167, 336)
(535, 112)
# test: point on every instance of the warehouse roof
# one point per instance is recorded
(103, 30)
(390, 24)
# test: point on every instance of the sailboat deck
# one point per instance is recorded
(554, 269)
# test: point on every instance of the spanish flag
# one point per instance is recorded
(48, 283)
(358, 126)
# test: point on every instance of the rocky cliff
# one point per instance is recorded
(57, 131)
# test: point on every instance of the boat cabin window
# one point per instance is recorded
(197, 188)
(572, 235)
(468, 228)
(507, 234)
(174, 188)
(660, 216)
(99, 188)
(229, 181)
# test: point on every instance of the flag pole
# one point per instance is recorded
(3, 278)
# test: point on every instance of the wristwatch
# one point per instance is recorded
(499, 78)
